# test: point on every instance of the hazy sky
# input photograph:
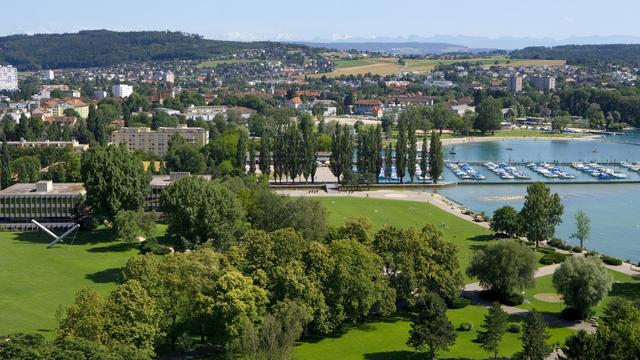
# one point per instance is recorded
(329, 19)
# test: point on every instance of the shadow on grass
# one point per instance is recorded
(483, 237)
(115, 247)
(95, 237)
(112, 275)
(629, 291)
(404, 355)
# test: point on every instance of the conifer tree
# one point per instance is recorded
(495, 325)
(534, 336)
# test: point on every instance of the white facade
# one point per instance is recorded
(48, 75)
(122, 91)
(8, 78)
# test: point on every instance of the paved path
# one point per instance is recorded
(472, 291)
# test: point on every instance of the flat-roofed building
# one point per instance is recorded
(8, 78)
(543, 83)
(73, 144)
(514, 83)
(157, 141)
(52, 204)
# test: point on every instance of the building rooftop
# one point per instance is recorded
(56, 189)
(165, 180)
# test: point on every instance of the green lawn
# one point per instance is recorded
(35, 280)
(387, 340)
(466, 235)
(624, 286)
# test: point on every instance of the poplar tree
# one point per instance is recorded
(436, 158)
(335, 159)
(265, 154)
(5, 170)
(252, 158)
(388, 162)
(413, 148)
(401, 148)
(424, 157)
(241, 152)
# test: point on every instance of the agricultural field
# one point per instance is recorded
(389, 66)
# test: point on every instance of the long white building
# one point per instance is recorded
(8, 78)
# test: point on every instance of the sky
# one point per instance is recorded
(328, 20)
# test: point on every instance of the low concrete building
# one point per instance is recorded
(73, 144)
(51, 204)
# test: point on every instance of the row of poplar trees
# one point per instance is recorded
(292, 150)
(373, 158)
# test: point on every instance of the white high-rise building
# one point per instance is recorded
(8, 78)
(122, 91)
(48, 75)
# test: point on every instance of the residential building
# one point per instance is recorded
(157, 141)
(462, 109)
(514, 83)
(52, 204)
(369, 108)
(73, 144)
(543, 83)
(122, 91)
(245, 112)
(8, 78)
(100, 94)
(444, 84)
(207, 113)
(169, 77)
(48, 75)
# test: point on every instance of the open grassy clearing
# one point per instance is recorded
(209, 64)
(386, 339)
(624, 286)
(399, 213)
(389, 66)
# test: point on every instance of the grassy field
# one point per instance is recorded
(389, 66)
(624, 286)
(386, 339)
(466, 235)
(35, 280)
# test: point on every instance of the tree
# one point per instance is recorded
(388, 162)
(534, 336)
(424, 158)
(185, 157)
(412, 151)
(132, 316)
(506, 220)
(341, 156)
(241, 152)
(583, 225)
(580, 346)
(84, 319)
(252, 158)
(495, 325)
(617, 336)
(489, 115)
(583, 282)
(541, 213)
(26, 169)
(199, 211)
(114, 180)
(133, 225)
(6, 176)
(436, 158)
(401, 147)
(430, 327)
(504, 267)
(264, 162)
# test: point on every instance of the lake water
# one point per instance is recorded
(614, 209)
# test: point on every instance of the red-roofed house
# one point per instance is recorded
(369, 108)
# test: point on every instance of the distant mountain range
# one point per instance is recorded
(441, 43)
(396, 48)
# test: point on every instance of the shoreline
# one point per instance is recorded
(473, 139)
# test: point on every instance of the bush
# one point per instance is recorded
(152, 246)
(557, 243)
(465, 326)
(514, 328)
(609, 260)
(513, 300)
(591, 253)
(577, 249)
(545, 250)
(553, 258)
(458, 303)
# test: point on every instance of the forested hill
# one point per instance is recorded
(103, 47)
(621, 54)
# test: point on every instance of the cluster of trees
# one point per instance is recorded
(293, 151)
(26, 165)
(621, 54)
(541, 213)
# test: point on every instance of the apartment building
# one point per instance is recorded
(514, 83)
(8, 78)
(543, 83)
(122, 91)
(157, 141)
(53, 205)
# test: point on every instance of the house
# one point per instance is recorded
(293, 103)
(369, 108)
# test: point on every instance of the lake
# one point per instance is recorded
(613, 208)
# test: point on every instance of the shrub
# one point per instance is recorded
(545, 250)
(514, 328)
(152, 246)
(465, 326)
(553, 258)
(513, 300)
(555, 242)
(591, 253)
(577, 249)
(458, 303)
(609, 260)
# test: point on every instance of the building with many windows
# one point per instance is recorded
(53, 205)
(8, 78)
(157, 141)
(543, 83)
(122, 91)
(514, 83)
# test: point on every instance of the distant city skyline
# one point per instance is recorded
(333, 20)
